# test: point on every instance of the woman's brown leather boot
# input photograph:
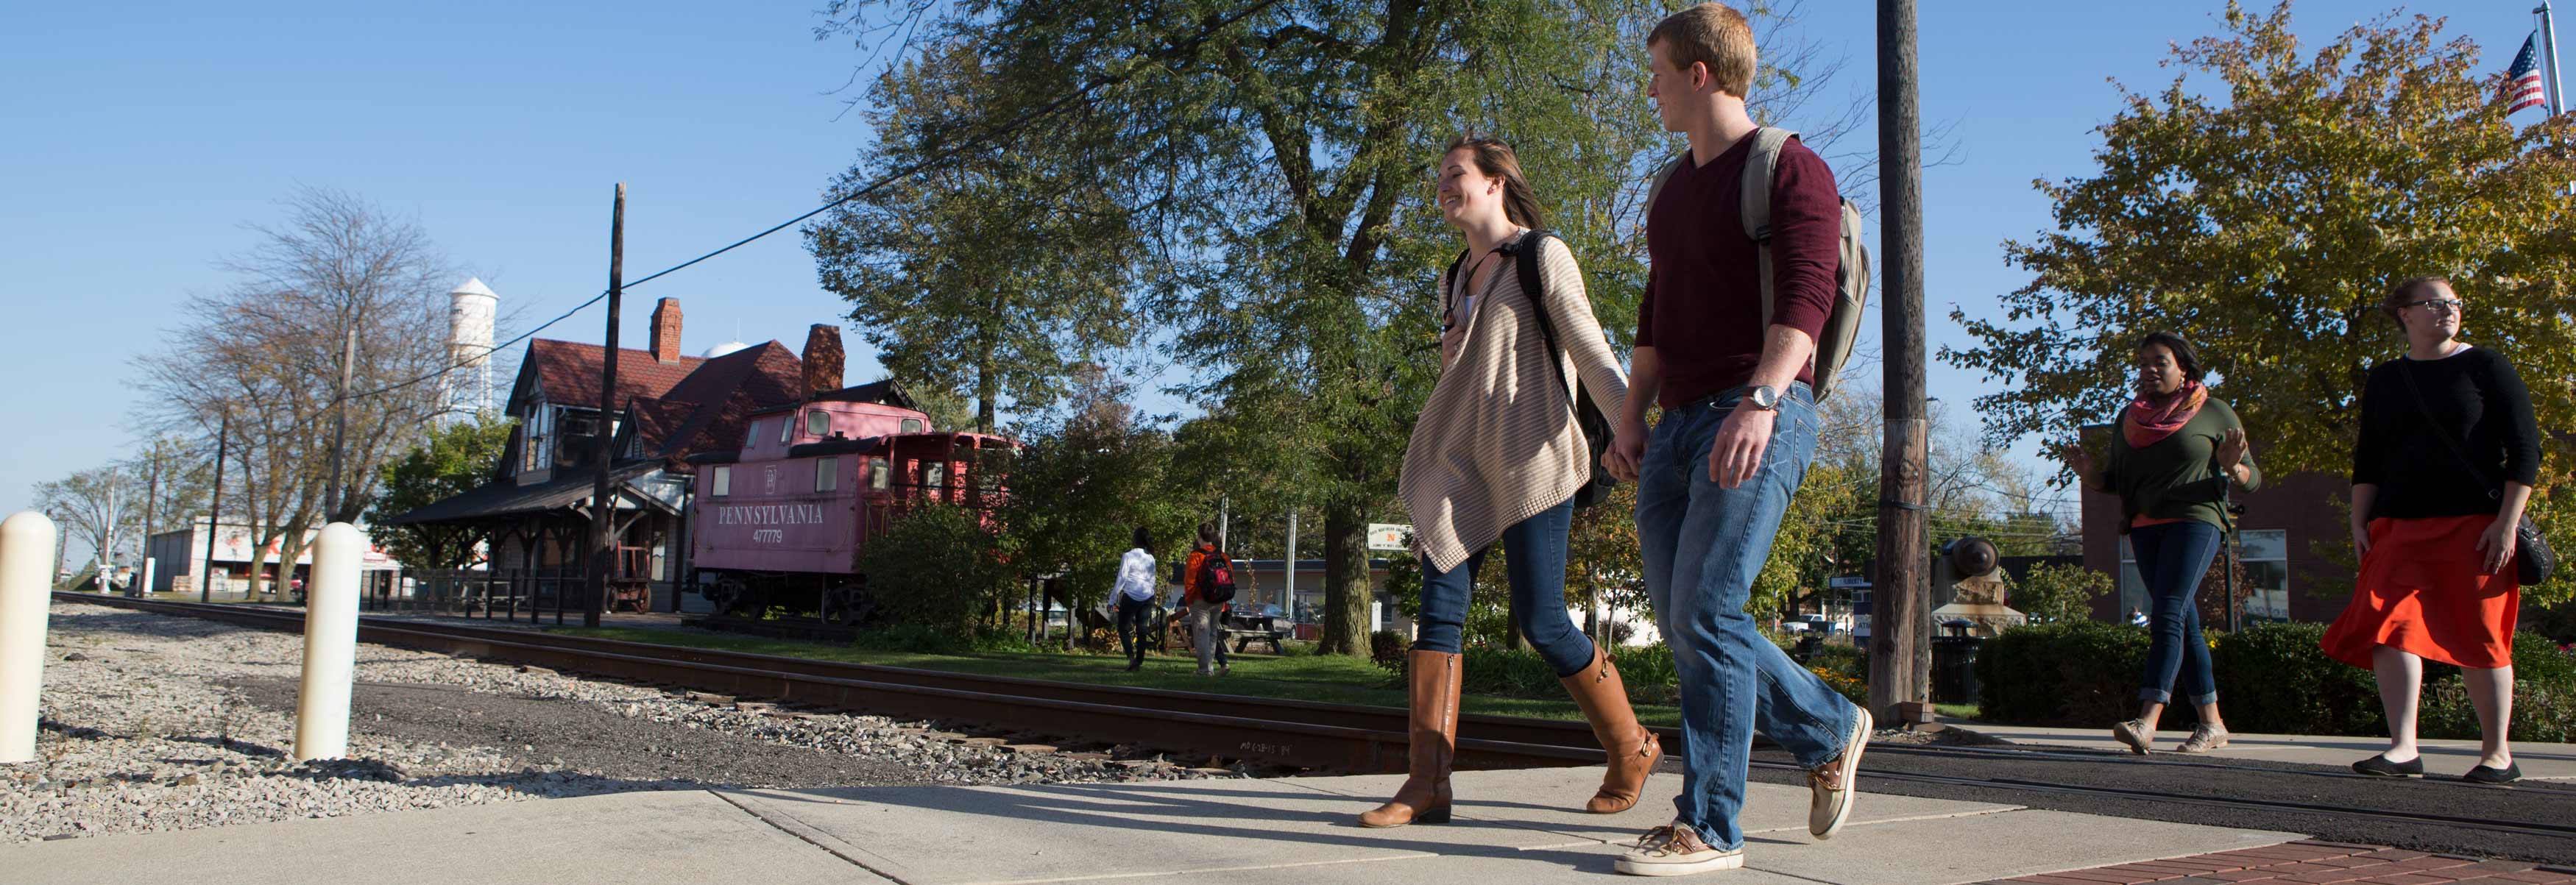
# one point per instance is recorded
(1633, 750)
(1431, 743)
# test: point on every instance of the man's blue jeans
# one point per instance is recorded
(2172, 558)
(1703, 547)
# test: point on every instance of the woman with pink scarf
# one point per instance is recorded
(2173, 454)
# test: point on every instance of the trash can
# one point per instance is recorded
(1954, 669)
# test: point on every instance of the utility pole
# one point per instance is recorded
(603, 552)
(1288, 568)
(340, 416)
(214, 505)
(1900, 615)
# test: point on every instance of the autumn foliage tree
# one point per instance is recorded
(2265, 218)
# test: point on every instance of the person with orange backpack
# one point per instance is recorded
(1207, 586)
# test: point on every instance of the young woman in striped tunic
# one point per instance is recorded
(1496, 456)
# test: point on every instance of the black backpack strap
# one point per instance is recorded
(1525, 255)
(1449, 288)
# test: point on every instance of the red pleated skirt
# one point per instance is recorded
(2424, 589)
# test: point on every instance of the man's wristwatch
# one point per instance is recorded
(1764, 398)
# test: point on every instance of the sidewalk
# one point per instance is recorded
(2442, 758)
(1511, 827)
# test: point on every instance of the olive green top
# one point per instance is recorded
(2177, 477)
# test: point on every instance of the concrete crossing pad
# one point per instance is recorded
(1510, 827)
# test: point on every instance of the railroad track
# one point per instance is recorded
(1305, 734)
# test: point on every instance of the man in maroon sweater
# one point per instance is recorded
(1715, 476)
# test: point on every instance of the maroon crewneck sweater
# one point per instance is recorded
(1702, 311)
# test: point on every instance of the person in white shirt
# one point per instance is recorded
(1135, 595)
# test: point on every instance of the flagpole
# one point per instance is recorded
(2549, 53)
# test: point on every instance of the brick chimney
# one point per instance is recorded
(666, 331)
(822, 359)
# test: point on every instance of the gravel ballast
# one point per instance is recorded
(153, 722)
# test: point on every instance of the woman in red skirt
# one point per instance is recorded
(2448, 455)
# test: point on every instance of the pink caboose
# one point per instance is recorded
(783, 521)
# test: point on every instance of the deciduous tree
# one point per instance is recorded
(451, 461)
(1273, 152)
(2265, 218)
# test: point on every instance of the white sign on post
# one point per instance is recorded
(1389, 536)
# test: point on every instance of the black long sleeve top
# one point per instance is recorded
(2476, 397)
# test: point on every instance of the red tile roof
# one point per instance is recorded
(569, 373)
(681, 408)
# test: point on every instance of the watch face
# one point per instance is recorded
(1766, 397)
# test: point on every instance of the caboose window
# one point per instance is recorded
(877, 474)
(818, 423)
(912, 425)
(827, 473)
(786, 428)
(752, 438)
(724, 481)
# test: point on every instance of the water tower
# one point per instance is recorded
(470, 311)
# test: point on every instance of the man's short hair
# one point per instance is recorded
(1207, 533)
(1712, 34)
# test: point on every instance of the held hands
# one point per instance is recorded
(2497, 545)
(1627, 451)
(1741, 440)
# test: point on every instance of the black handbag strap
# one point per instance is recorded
(2406, 370)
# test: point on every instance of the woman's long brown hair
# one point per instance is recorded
(1496, 160)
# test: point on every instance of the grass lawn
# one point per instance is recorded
(1330, 679)
(1956, 711)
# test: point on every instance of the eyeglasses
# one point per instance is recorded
(2439, 305)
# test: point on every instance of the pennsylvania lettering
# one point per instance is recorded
(770, 514)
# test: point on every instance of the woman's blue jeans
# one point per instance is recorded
(2172, 558)
(1535, 564)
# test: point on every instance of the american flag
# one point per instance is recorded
(2522, 81)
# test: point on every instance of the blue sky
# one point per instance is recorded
(142, 137)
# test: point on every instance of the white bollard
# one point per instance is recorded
(26, 554)
(330, 644)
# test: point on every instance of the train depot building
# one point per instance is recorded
(535, 512)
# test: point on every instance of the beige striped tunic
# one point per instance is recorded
(1497, 442)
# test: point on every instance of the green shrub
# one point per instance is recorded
(1386, 649)
(1647, 672)
(2070, 673)
(938, 567)
(2274, 679)
(2544, 696)
(1848, 660)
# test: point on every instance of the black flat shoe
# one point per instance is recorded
(2379, 766)
(2483, 775)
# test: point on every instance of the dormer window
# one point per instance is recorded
(912, 425)
(818, 423)
(752, 438)
(786, 429)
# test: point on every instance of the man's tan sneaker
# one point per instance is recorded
(1829, 786)
(1676, 850)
